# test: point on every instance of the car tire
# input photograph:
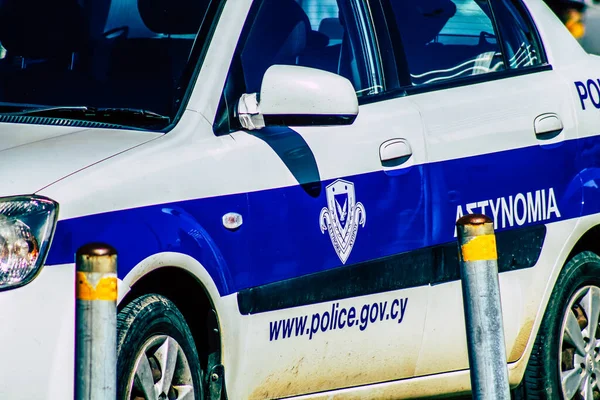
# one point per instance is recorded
(156, 352)
(557, 369)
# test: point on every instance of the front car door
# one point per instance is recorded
(498, 125)
(334, 292)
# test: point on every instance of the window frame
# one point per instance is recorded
(189, 76)
(391, 66)
(227, 124)
(368, 37)
(407, 88)
(521, 8)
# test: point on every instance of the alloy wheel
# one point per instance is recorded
(161, 372)
(579, 359)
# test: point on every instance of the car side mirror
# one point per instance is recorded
(299, 96)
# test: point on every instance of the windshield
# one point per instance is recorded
(117, 54)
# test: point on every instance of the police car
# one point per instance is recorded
(281, 180)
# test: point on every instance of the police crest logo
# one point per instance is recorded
(342, 217)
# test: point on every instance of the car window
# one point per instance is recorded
(447, 39)
(313, 33)
(324, 18)
(329, 35)
(520, 41)
(129, 54)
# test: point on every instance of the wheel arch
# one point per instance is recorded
(589, 241)
(190, 288)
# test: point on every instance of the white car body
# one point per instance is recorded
(109, 183)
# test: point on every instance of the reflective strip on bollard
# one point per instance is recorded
(480, 248)
(96, 323)
(105, 288)
(482, 307)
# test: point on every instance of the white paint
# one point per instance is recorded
(507, 211)
(338, 353)
(342, 217)
(37, 337)
(520, 209)
(535, 208)
(395, 149)
(552, 205)
(495, 208)
(491, 117)
(516, 210)
(34, 156)
(96, 170)
(293, 90)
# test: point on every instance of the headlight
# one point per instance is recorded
(26, 227)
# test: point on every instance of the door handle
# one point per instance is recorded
(395, 152)
(547, 126)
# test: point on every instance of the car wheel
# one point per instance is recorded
(565, 360)
(157, 358)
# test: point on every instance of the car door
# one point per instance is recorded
(498, 122)
(335, 280)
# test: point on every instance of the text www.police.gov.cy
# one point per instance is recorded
(337, 319)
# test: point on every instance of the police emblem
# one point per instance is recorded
(341, 217)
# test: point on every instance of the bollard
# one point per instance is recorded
(96, 323)
(482, 307)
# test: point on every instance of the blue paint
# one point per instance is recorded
(281, 237)
(179, 227)
(589, 91)
(582, 92)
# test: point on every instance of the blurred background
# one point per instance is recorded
(582, 18)
(591, 38)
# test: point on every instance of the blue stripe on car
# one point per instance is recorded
(281, 237)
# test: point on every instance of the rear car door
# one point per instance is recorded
(334, 282)
(498, 122)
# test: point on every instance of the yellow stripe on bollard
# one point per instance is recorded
(96, 322)
(480, 248)
(106, 289)
(484, 325)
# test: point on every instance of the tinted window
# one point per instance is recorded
(307, 33)
(520, 41)
(466, 25)
(319, 11)
(97, 53)
(447, 39)
(320, 34)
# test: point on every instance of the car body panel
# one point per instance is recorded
(160, 200)
(27, 150)
(38, 336)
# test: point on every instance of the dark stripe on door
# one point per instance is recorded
(517, 249)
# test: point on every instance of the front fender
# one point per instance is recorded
(169, 259)
(590, 183)
(139, 234)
